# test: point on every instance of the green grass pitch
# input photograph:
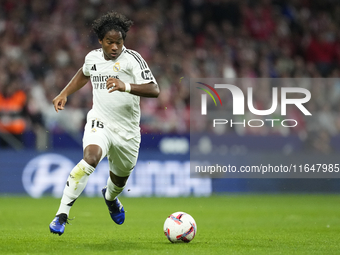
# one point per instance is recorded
(228, 224)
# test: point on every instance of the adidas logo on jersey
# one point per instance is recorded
(93, 68)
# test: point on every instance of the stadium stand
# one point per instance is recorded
(43, 43)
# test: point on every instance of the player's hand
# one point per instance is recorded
(59, 102)
(113, 84)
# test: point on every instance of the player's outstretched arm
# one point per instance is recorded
(143, 90)
(78, 81)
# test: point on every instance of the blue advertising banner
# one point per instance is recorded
(156, 174)
(163, 168)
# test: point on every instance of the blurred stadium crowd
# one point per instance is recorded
(43, 44)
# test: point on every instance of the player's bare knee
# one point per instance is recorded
(92, 160)
(117, 180)
(92, 155)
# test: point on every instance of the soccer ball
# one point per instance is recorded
(180, 227)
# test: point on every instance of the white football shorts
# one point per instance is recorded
(121, 153)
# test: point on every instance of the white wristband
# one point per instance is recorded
(127, 87)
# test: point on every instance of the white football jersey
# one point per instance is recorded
(118, 110)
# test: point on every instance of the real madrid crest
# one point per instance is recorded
(116, 67)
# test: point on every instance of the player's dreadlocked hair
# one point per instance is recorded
(111, 21)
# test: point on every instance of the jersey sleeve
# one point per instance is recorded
(86, 67)
(140, 69)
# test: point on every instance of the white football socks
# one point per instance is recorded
(76, 183)
(112, 190)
